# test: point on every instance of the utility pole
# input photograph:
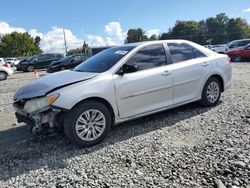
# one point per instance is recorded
(65, 43)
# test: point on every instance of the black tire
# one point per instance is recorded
(204, 98)
(30, 68)
(62, 68)
(72, 116)
(237, 58)
(3, 75)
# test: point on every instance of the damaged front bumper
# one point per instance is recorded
(48, 119)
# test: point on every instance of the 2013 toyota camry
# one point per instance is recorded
(122, 83)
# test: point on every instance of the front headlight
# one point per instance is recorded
(39, 103)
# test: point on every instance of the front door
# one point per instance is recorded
(149, 88)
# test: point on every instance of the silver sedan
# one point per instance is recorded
(120, 84)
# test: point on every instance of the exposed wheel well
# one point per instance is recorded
(220, 80)
(103, 101)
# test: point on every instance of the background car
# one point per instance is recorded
(5, 71)
(234, 45)
(241, 54)
(2, 61)
(67, 62)
(38, 62)
(12, 61)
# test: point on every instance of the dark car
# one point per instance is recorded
(38, 62)
(23, 61)
(240, 54)
(68, 62)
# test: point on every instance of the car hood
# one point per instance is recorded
(52, 82)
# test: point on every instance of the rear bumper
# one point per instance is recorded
(10, 72)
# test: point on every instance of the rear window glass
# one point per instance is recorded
(183, 52)
(180, 52)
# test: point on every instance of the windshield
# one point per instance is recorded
(104, 60)
(30, 58)
(65, 58)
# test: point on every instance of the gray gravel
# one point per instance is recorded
(189, 146)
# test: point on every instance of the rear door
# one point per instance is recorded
(246, 52)
(44, 60)
(149, 88)
(190, 68)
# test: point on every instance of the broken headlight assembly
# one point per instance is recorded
(39, 103)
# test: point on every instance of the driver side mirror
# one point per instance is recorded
(127, 69)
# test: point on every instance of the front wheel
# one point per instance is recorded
(87, 124)
(211, 92)
(30, 68)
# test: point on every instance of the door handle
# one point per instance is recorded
(205, 64)
(166, 73)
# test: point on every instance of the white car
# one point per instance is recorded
(12, 61)
(5, 71)
(120, 84)
(233, 45)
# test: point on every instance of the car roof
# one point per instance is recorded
(205, 50)
(157, 42)
(239, 40)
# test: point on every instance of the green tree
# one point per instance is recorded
(217, 28)
(153, 37)
(37, 40)
(85, 49)
(136, 35)
(237, 29)
(19, 44)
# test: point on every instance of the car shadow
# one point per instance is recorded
(57, 147)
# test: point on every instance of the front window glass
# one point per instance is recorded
(104, 60)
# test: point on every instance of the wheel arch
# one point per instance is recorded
(217, 76)
(103, 101)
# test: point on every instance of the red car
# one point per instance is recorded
(240, 54)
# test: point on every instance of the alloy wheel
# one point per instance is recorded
(90, 125)
(213, 92)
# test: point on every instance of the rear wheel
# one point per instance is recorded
(87, 124)
(3, 75)
(30, 68)
(211, 92)
(63, 68)
(237, 58)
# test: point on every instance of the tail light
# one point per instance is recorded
(6, 65)
(229, 60)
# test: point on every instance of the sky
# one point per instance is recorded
(105, 22)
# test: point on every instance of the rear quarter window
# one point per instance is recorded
(183, 52)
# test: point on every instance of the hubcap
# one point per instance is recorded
(90, 125)
(213, 92)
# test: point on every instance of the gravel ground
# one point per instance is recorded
(189, 146)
